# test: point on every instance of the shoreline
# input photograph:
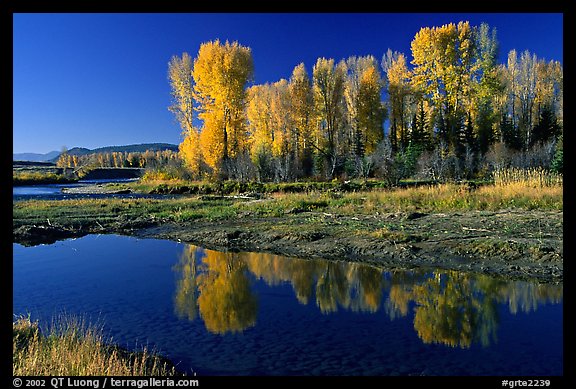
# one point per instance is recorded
(496, 243)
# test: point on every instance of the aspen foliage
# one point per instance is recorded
(181, 84)
(221, 72)
(440, 113)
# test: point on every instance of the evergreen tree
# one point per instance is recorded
(510, 134)
(420, 134)
(469, 137)
(546, 128)
(558, 161)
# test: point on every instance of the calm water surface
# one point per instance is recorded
(260, 314)
(54, 191)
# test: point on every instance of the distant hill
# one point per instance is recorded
(35, 157)
(137, 148)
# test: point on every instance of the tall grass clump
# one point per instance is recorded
(452, 197)
(532, 178)
(71, 347)
(160, 176)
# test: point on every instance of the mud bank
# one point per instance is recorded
(510, 243)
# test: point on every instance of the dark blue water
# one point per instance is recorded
(259, 314)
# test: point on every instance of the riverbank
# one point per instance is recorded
(99, 189)
(506, 231)
(73, 348)
(41, 178)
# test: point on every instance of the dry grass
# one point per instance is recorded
(528, 178)
(156, 177)
(38, 177)
(511, 191)
(454, 197)
(74, 348)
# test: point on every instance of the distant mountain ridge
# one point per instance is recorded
(135, 148)
(35, 157)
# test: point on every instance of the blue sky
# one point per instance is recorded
(94, 80)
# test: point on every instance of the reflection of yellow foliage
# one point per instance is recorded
(226, 301)
(448, 313)
(452, 308)
(274, 270)
(349, 285)
(185, 303)
(526, 297)
(371, 286)
(331, 289)
(219, 289)
(398, 300)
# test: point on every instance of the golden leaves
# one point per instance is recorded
(214, 86)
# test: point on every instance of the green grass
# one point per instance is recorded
(91, 212)
(73, 348)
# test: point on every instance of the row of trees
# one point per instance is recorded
(452, 105)
(149, 158)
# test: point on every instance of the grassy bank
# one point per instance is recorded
(39, 178)
(73, 348)
(513, 228)
(427, 199)
(176, 186)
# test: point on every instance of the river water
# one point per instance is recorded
(54, 191)
(221, 313)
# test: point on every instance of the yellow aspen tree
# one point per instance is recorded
(258, 113)
(549, 78)
(220, 73)
(371, 112)
(399, 91)
(180, 77)
(302, 104)
(284, 134)
(363, 106)
(444, 60)
(328, 81)
(364, 110)
(486, 92)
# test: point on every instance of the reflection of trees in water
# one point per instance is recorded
(458, 309)
(186, 298)
(527, 297)
(400, 294)
(220, 291)
(451, 308)
(226, 301)
(335, 284)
